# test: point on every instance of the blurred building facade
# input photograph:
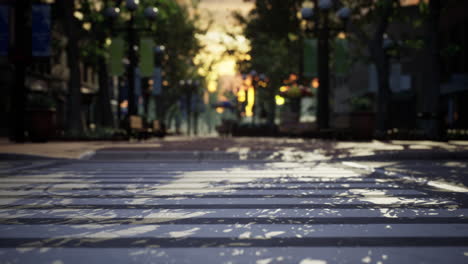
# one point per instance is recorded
(46, 75)
(407, 79)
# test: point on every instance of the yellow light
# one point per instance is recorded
(248, 81)
(165, 83)
(342, 35)
(108, 41)
(212, 86)
(293, 77)
(279, 100)
(78, 15)
(87, 26)
(219, 110)
(251, 96)
(241, 96)
(250, 102)
(284, 89)
(315, 83)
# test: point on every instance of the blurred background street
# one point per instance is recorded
(233, 131)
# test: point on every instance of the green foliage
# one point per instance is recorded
(40, 101)
(451, 51)
(415, 44)
(273, 30)
(173, 27)
(361, 103)
(423, 7)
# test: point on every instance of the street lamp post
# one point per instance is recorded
(194, 90)
(323, 51)
(185, 85)
(150, 13)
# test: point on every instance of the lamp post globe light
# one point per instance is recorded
(323, 30)
(111, 12)
(132, 5)
(344, 13)
(325, 4)
(151, 13)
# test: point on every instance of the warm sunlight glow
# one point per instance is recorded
(226, 67)
(212, 86)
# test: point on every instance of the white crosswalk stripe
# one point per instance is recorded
(224, 212)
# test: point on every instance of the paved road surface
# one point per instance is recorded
(224, 211)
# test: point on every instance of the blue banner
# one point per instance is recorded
(41, 27)
(157, 81)
(4, 30)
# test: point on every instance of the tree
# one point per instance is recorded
(173, 28)
(431, 95)
(375, 15)
(93, 51)
(378, 54)
(272, 27)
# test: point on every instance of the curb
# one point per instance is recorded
(198, 156)
(411, 155)
(87, 155)
(419, 180)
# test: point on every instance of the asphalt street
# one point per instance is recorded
(218, 207)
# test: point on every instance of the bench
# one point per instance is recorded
(137, 128)
(158, 129)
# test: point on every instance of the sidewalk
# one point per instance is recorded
(372, 150)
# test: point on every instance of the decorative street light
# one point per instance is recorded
(190, 87)
(323, 30)
(150, 13)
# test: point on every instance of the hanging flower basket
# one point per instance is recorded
(295, 91)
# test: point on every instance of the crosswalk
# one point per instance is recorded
(231, 211)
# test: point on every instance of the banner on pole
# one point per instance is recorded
(116, 54)
(310, 58)
(157, 81)
(41, 28)
(4, 30)
(146, 57)
(342, 60)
